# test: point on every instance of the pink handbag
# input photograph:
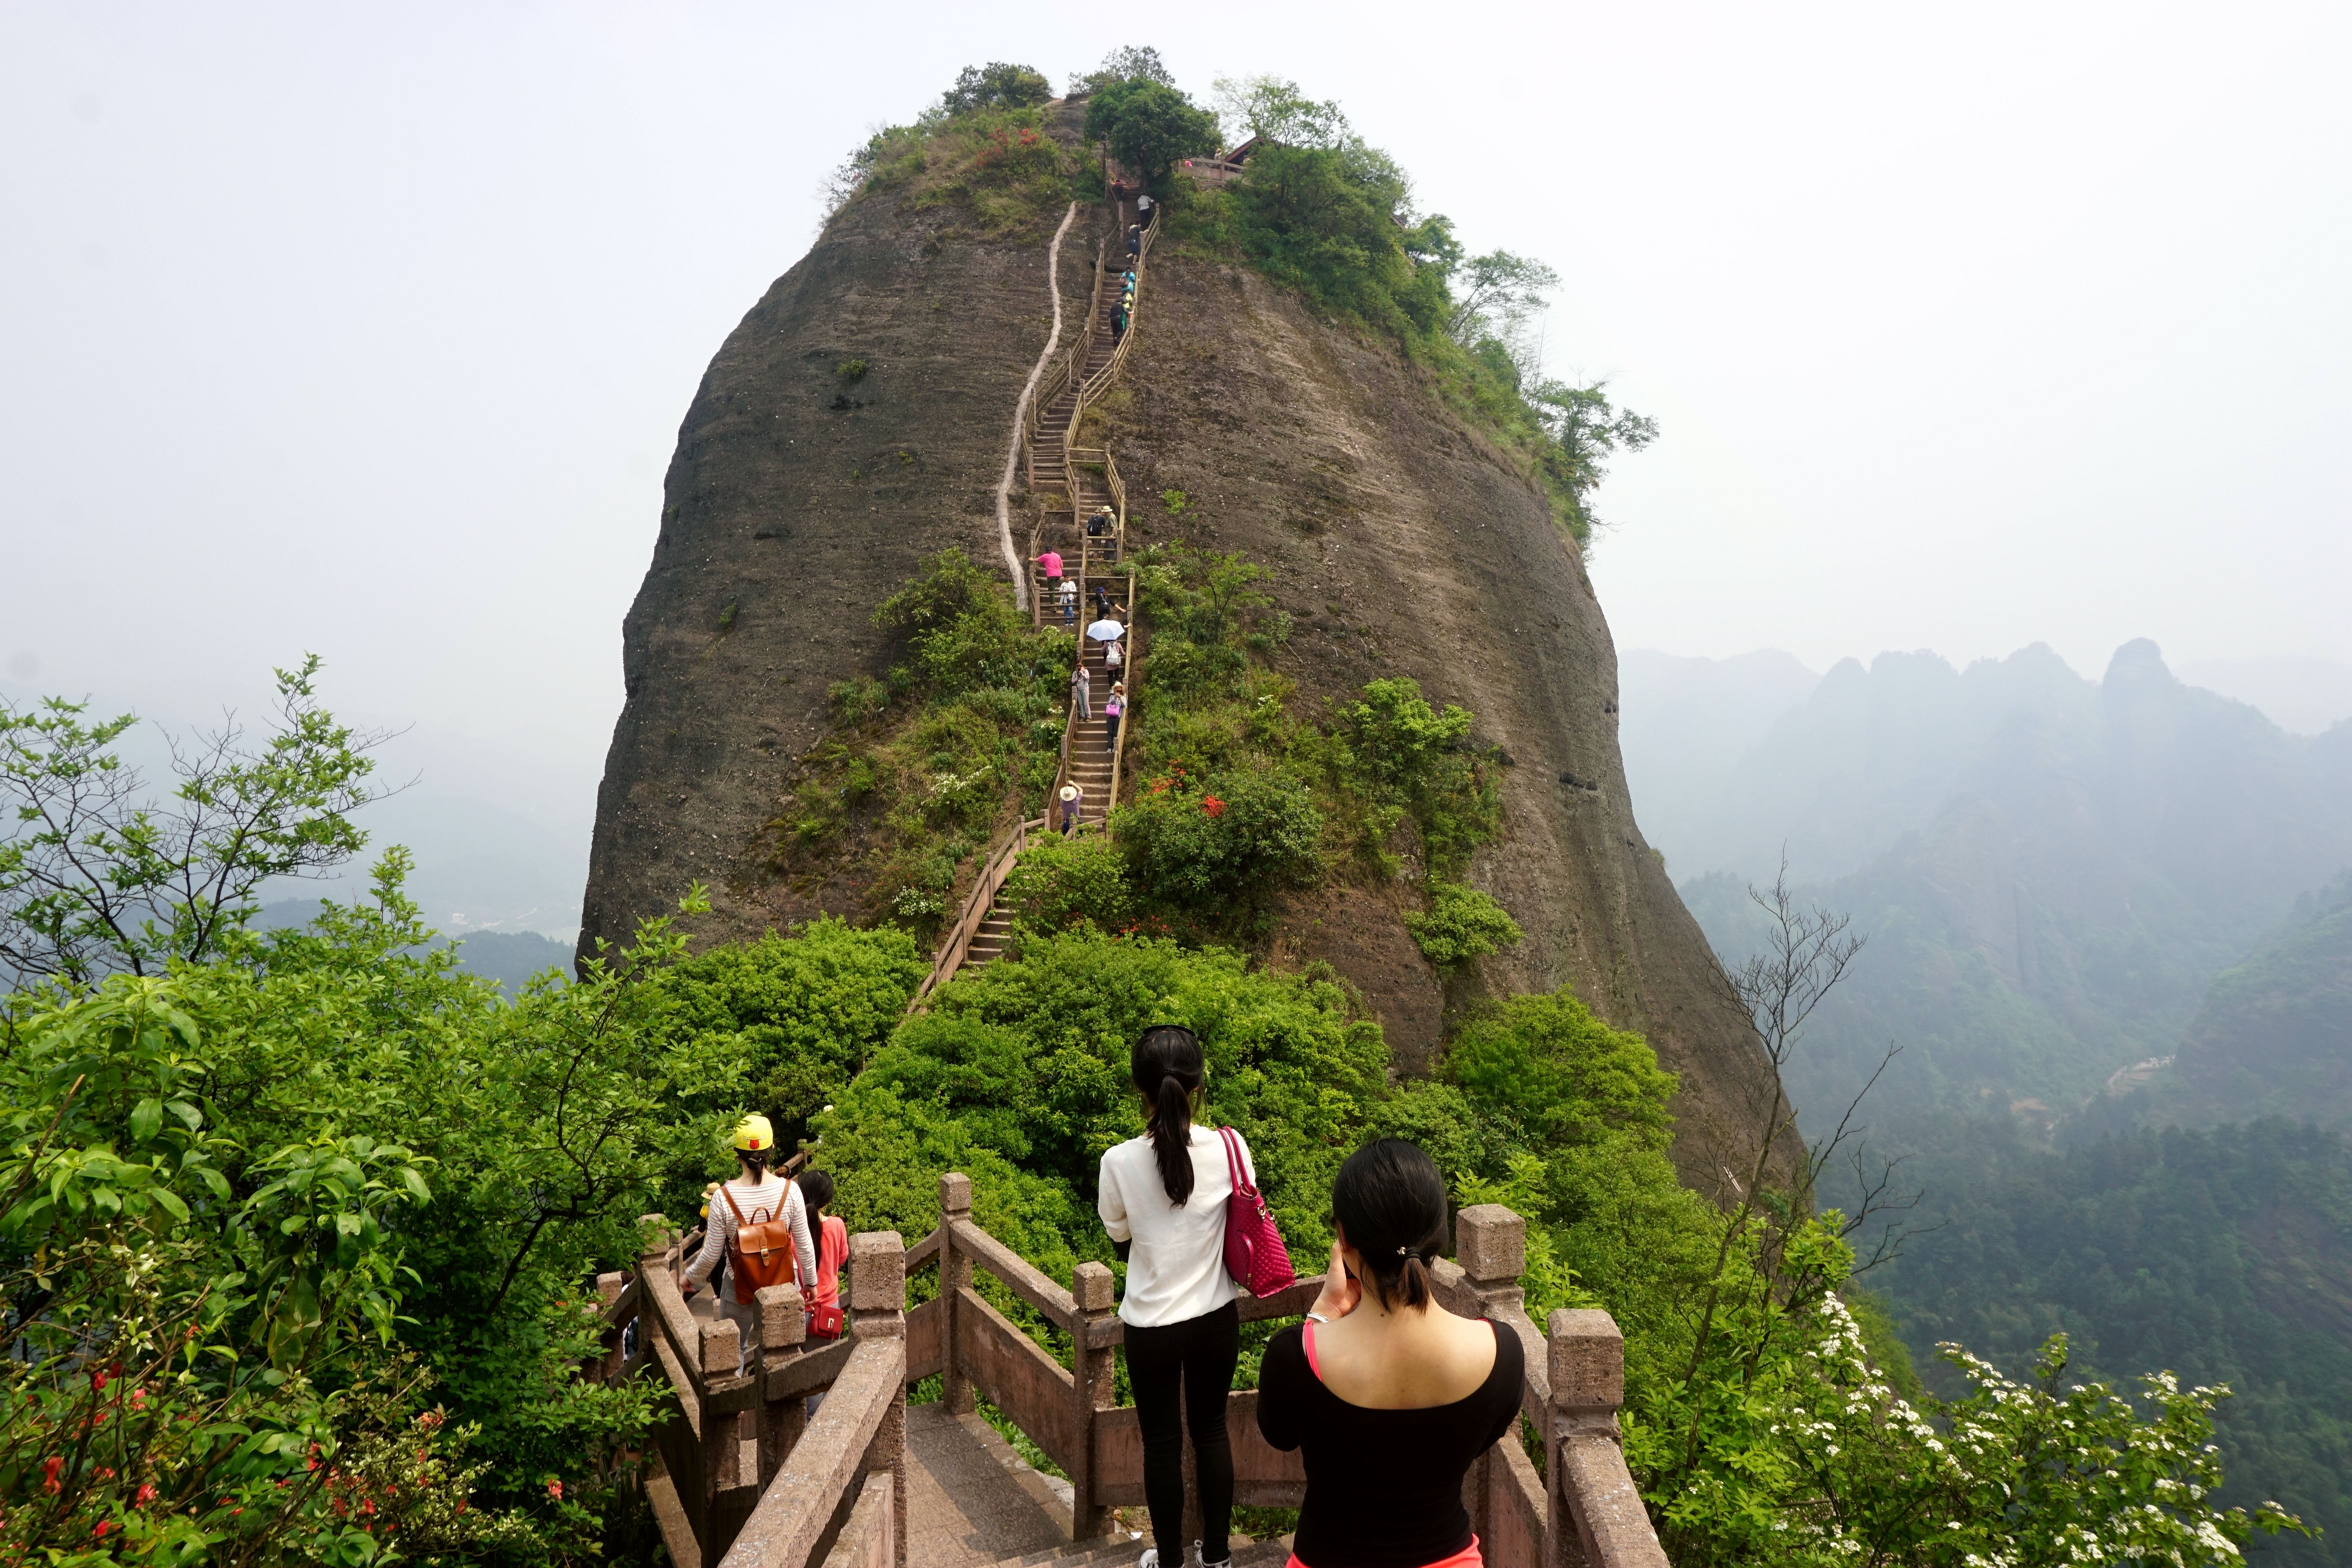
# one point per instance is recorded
(1255, 1255)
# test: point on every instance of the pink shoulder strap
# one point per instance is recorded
(1233, 1159)
(1308, 1337)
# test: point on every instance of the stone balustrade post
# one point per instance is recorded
(877, 1311)
(955, 1276)
(784, 1329)
(722, 1435)
(1093, 1373)
(1490, 1243)
(1588, 1387)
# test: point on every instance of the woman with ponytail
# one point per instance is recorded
(1391, 1395)
(1164, 1201)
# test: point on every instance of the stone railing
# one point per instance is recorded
(740, 1478)
(1589, 1516)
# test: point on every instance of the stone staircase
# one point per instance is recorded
(1050, 469)
(1092, 563)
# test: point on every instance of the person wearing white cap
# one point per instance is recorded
(1074, 800)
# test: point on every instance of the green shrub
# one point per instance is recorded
(1059, 883)
(809, 1008)
(1223, 847)
(1462, 923)
(850, 369)
(1398, 752)
(1561, 1078)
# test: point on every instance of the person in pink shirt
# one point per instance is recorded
(1052, 562)
(831, 1252)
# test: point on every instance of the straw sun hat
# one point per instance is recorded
(1069, 792)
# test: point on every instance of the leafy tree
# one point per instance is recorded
(95, 878)
(996, 85)
(1274, 109)
(1461, 924)
(1148, 125)
(1586, 429)
(200, 1364)
(1128, 63)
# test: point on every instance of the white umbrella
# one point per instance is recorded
(1106, 630)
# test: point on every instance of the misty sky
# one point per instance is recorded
(367, 330)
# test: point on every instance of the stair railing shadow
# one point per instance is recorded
(831, 1488)
(1589, 1516)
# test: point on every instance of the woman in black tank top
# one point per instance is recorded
(1384, 1469)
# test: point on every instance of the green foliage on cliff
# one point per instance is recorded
(986, 146)
(1462, 923)
(1324, 212)
(807, 1009)
(918, 772)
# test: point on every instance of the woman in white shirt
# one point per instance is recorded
(761, 1194)
(1163, 1199)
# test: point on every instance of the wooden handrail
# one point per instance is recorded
(975, 907)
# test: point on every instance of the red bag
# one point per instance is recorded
(825, 1323)
(1255, 1255)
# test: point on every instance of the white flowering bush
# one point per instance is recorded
(1782, 1444)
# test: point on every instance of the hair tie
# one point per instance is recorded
(1403, 1251)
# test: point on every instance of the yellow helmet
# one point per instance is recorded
(754, 1133)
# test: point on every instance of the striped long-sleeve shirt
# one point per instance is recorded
(759, 1199)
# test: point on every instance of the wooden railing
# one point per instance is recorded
(801, 1501)
(985, 889)
(1589, 1516)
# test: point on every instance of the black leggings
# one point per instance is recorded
(1199, 1353)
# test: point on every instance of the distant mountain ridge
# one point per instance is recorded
(2051, 870)
(2274, 1035)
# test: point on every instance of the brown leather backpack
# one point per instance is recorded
(762, 1253)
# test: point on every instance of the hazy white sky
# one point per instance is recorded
(367, 330)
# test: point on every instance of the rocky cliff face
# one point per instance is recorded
(1400, 542)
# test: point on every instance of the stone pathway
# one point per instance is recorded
(967, 1506)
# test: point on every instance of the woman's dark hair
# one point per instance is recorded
(1391, 1200)
(755, 1161)
(1167, 1070)
(816, 1189)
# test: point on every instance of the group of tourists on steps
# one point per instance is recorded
(759, 1225)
